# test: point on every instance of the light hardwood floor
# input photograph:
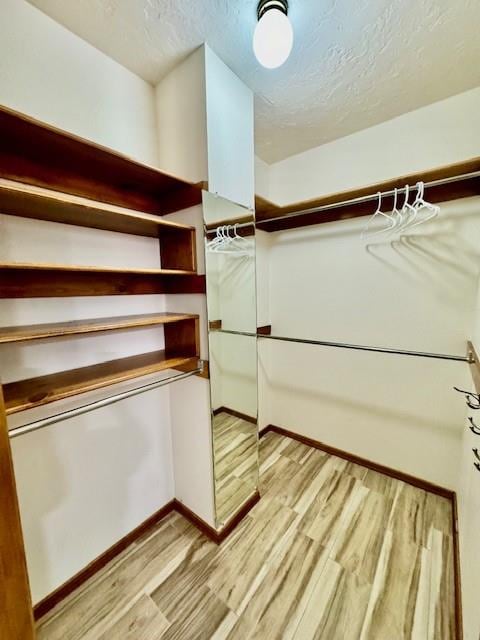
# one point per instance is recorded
(236, 464)
(332, 551)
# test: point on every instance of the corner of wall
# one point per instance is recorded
(94, 96)
(180, 99)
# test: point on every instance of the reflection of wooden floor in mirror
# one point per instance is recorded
(236, 463)
(332, 551)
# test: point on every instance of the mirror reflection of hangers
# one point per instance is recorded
(228, 241)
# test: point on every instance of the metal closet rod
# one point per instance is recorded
(71, 413)
(357, 347)
(239, 225)
(370, 198)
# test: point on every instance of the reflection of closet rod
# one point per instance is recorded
(71, 413)
(369, 198)
(209, 230)
(357, 347)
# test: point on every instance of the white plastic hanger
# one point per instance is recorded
(396, 213)
(229, 244)
(378, 212)
(421, 204)
(221, 239)
(408, 212)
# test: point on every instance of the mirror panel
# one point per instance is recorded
(232, 317)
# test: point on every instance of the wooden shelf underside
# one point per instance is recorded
(29, 201)
(23, 280)
(35, 392)
(35, 266)
(463, 188)
(76, 327)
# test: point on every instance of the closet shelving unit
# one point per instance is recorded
(47, 174)
(450, 182)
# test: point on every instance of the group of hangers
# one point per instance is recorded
(228, 241)
(473, 401)
(409, 216)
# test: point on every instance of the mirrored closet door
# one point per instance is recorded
(232, 318)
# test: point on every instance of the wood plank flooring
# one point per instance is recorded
(332, 551)
(236, 464)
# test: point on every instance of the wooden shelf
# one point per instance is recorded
(35, 153)
(25, 280)
(36, 392)
(464, 188)
(177, 241)
(35, 266)
(59, 329)
(29, 201)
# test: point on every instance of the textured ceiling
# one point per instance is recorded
(355, 63)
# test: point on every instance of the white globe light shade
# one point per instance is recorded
(273, 39)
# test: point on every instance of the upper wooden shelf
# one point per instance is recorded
(35, 153)
(29, 266)
(36, 392)
(76, 327)
(462, 188)
(28, 201)
(25, 280)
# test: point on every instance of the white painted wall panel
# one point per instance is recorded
(398, 411)
(181, 119)
(238, 372)
(51, 74)
(86, 482)
(192, 446)
(469, 525)
(25, 240)
(230, 133)
(190, 401)
(469, 509)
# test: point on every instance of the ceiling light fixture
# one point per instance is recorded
(273, 37)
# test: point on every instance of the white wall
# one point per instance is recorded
(469, 525)
(51, 74)
(469, 511)
(262, 178)
(192, 446)
(230, 133)
(394, 410)
(191, 420)
(205, 126)
(85, 482)
(442, 133)
(238, 372)
(414, 293)
(182, 119)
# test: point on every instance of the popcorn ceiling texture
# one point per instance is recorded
(354, 63)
